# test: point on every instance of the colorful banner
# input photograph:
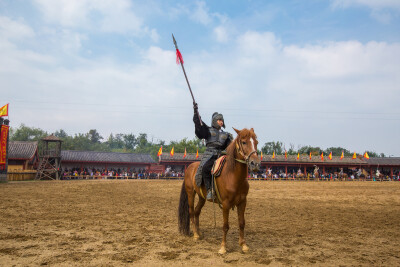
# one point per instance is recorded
(4, 111)
(3, 143)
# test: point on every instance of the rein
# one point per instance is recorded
(239, 150)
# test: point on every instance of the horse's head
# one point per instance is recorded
(246, 146)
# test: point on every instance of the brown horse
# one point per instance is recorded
(232, 186)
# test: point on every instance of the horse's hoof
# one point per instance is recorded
(245, 248)
(196, 237)
(222, 251)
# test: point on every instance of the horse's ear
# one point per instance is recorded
(252, 130)
(236, 130)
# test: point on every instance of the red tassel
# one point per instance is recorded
(179, 59)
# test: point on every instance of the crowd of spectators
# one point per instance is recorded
(178, 173)
(85, 173)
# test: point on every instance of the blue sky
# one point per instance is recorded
(320, 73)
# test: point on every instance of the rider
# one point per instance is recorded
(216, 141)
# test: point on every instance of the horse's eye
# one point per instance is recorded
(243, 143)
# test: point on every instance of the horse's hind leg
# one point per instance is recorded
(191, 196)
(197, 212)
(240, 210)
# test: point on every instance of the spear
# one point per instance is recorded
(179, 60)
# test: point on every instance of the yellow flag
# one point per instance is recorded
(354, 155)
(172, 152)
(4, 111)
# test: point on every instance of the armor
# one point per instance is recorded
(217, 140)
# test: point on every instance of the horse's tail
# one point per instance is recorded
(183, 212)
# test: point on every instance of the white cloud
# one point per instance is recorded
(201, 13)
(221, 34)
(381, 10)
(14, 30)
(115, 16)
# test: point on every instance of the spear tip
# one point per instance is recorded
(173, 38)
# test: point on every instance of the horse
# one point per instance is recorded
(232, 185)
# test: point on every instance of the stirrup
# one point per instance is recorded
(210, 195)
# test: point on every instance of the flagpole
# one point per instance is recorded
(180, 60)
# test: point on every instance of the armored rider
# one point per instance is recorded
(217, 140)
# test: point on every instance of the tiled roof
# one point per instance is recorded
(103, 157)
(314, 159)
(166, 157)
(22, 149)
(383, 161)
(179, 157)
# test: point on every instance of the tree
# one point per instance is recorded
(130, 141)
(270, 147)
(337, 151)
(94, 136)
(25, 133)
(61, 134)
(307, 149)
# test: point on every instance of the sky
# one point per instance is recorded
(322, 73)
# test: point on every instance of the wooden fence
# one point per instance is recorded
(21, 175)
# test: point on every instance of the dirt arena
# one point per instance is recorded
(108, 222)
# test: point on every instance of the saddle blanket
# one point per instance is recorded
(218, 165)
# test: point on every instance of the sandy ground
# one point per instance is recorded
(113, 223)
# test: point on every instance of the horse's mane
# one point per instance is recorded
(231, 149)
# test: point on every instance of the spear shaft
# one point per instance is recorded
(180, 60)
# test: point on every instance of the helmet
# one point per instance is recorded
(215, 117)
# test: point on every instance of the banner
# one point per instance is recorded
(4, 111)
(3, 143)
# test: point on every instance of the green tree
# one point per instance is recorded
(270, 147)
(25, 133)
(307, 149)
(337, 151)
(94, 136)
(130, 141)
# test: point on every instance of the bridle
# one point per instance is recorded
(239, 150)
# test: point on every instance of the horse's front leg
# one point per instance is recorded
(225, 228)
(240, 211)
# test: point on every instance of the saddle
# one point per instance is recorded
(218, 165)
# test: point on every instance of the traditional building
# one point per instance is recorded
(23, 155)
(72, 159)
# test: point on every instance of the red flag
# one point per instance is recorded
(159, 152)
(322, 156)
(179, 58)
(354, 155)
(273, 154)
(285, 154)
(197, 154)
(172, 152)
(342, 156)
(310, 154)
(366, 155)
(3, 144)
(4, 111)
(184, 155)
(330, 156)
